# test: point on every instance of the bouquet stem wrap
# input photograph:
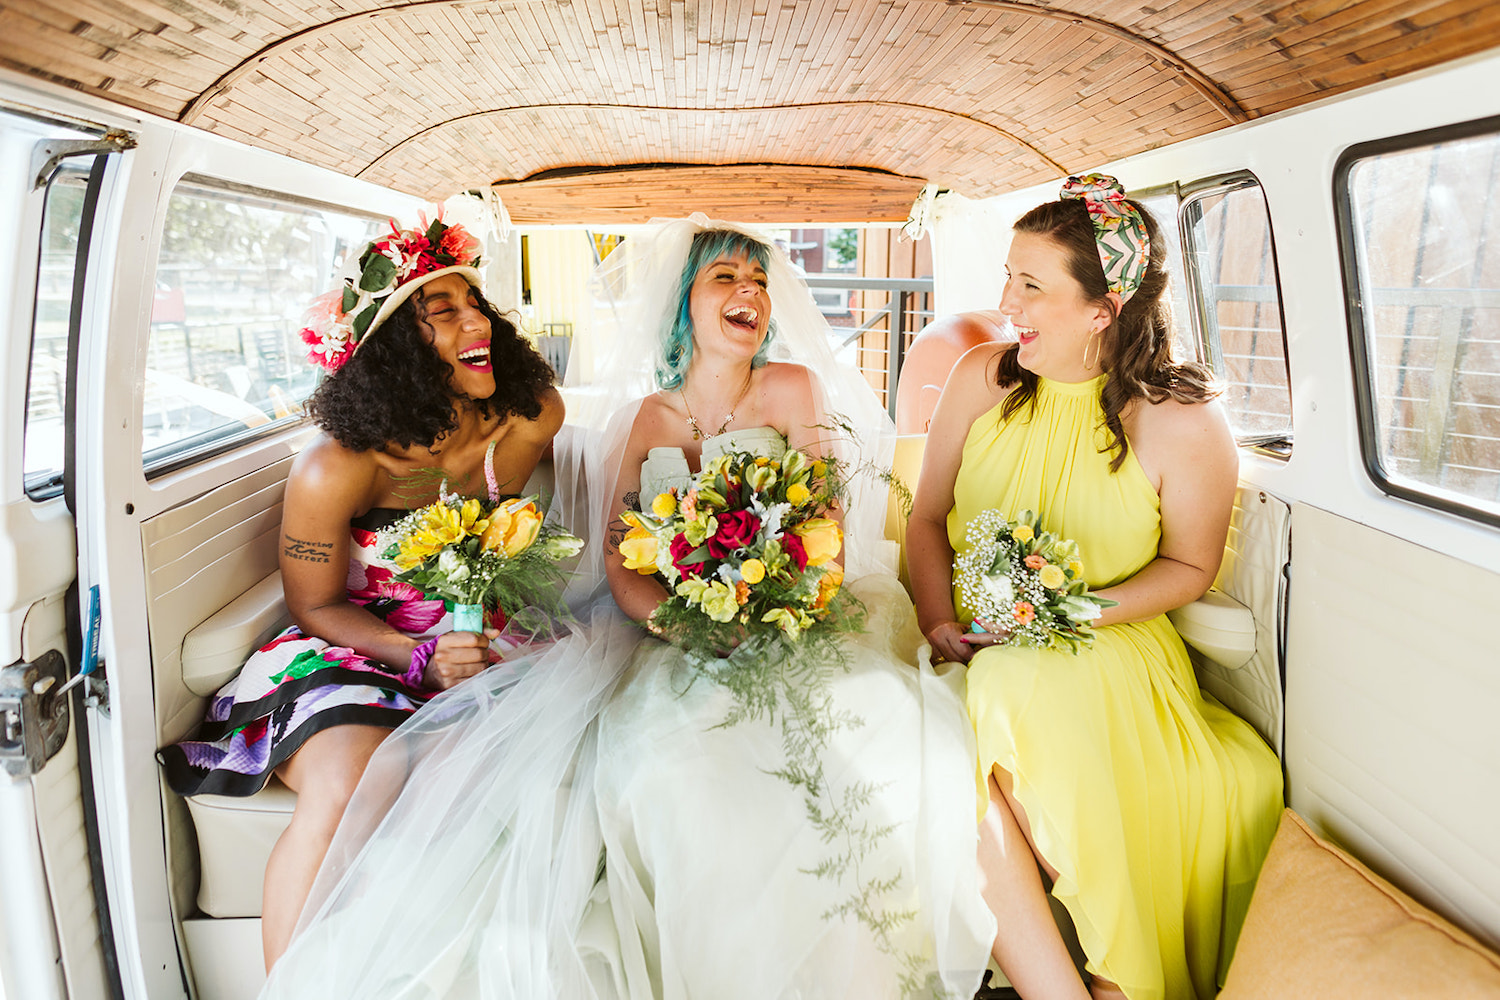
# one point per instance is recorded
(468, 618)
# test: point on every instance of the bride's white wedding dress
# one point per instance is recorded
(575, 823)
(725, 880)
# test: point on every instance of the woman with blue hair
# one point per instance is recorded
(723, 878)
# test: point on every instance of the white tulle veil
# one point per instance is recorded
(466, 859)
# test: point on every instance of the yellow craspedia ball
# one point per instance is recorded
(753, 571)
(665, 505)
(798, 493)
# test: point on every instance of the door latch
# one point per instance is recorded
(33, 713)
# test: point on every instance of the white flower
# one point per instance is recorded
(998, 590)
(452, 567)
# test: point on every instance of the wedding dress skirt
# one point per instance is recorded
(466, 859)
(724, 881)
(574, 824)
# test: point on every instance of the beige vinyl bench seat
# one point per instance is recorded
(235, 835)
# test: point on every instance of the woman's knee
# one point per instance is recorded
(325, 770)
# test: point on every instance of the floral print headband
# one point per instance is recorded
(1119, 231)
(389, 270)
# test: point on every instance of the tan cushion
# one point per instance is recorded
(1322, 926)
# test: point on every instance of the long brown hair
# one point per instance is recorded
(1135, 351)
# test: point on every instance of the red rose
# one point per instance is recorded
(736, 530)
(681, 548)
(792, 546)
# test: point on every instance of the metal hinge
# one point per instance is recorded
(33, 713)
(48, 154)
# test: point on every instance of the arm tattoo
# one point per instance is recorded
(297, 548)
(633, 500)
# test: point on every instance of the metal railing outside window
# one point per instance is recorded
(874, 321)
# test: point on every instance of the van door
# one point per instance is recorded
(52, 940)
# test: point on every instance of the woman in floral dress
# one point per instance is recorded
(412, 402)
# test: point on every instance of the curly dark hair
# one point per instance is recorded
(1136, 349)
(397, 389)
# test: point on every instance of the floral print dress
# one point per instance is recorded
(297, 684)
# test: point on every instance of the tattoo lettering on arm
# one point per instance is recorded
(297, 548)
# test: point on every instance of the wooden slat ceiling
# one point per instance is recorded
(437, 96)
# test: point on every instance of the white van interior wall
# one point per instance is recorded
(1392, 688)
(200, 556)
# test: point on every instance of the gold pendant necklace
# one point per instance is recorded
(698, 432)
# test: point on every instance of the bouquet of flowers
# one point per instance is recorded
(1025, 583)
(746, 552)
(479, 556)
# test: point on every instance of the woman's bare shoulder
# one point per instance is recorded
(338, 476)
(1171, 437)
(788, 376)
(324, 457)
(1172, 417)
(973, 385)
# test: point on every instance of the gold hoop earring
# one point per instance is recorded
(1098, 339)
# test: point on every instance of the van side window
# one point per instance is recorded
(1164, 203)
(1420, 235)
(234, 274)
(1235, 299)
(44, 450)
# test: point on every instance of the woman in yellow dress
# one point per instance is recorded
(1149, 806)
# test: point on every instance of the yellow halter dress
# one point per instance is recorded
(1154, 803)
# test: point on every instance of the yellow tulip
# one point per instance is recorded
(495, 532)
(525, 524)
(439, 525)
(822, 538)
(828, 586)
(639, 550)
(753, 571)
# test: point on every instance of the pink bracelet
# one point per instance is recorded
(418, 669)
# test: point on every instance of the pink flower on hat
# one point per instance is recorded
(327, 331)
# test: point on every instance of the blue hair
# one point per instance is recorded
(677, 344)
